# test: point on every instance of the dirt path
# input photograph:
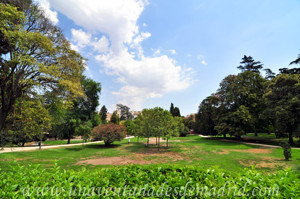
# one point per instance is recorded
(31, 148)
(249, 143)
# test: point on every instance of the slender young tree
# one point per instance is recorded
(172, 109)
(103, 114)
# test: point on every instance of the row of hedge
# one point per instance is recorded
(145, 181)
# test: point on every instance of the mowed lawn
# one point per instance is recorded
(191, 150)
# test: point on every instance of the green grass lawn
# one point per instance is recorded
(263, 138)
(191, 150)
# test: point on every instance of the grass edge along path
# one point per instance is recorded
(17, 149)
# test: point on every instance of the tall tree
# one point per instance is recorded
(172, 109)
(248, 64)
(125, 112)
(34, 55)
(103, 114)
(283, 98)
(85, 107)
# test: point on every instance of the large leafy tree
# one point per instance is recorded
(207, 115)
(283, 98)
(82, 111)
(35, 56)
(240, 104)
(85, 107)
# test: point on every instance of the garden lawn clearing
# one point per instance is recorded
(190, 150)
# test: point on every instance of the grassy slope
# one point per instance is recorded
(195, 150)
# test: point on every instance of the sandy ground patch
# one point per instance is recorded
(262, 164)
(257, 150)
(148, 157)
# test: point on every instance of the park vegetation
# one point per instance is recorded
(250, 103)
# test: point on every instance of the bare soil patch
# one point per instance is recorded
(262, 164)
(223, 152)
(256, 150)
(109, 161)
(151, 156)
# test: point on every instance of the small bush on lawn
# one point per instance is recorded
(153, 181)
(286, 150)
(109, 133)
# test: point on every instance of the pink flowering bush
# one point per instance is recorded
(109, 133)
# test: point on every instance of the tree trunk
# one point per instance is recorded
(224, 135)
(255, 134)
(23, 143)
(291, 141)
(148, 142)
(69, 140)
(156, 140)
(167, 142)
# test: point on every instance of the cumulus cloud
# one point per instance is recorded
(119, 48)
(80, 37)
(52, 15)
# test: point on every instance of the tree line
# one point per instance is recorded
(250, 103)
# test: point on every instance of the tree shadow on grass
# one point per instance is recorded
(74, 149)
(102, 146)
(215, 141)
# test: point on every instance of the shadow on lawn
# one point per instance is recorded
(215, 141)
(101, 146)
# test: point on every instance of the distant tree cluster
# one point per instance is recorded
(250, 103)
(174, 111)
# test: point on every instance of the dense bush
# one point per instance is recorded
(145, 181)
(109, 133)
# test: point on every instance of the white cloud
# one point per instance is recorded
(81, 38)
(51, 15)
(120, 50)
(173, 51)
(201, 58)
(102, 45)
(204, 62)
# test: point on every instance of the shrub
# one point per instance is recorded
(155, 181)
(109, 133)
(286, 150)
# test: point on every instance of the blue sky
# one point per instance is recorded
(151, 53)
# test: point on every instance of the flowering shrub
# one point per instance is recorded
(109, 133)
